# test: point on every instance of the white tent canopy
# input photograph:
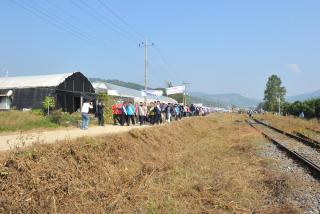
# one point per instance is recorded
(119, 91)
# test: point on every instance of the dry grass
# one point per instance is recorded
(199, 165)
(291, 124)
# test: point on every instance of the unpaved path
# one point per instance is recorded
(10, 141)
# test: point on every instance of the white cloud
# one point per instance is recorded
(294, 68)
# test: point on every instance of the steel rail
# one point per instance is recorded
(308, 142)
(299, 134)
(302, 159)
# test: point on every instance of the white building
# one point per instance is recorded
(137, 96)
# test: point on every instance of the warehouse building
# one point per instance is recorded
(68, 89)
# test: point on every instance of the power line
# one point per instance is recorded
(70, 25)
(158, 75)
(96, 15)
(163, 59)
(78, 21)
(163, 68)
(31, 8)
(108, 8)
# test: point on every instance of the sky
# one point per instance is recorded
(226, 46)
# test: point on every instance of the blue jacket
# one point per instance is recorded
(130, 110)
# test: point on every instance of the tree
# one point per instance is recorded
(317, 109)
(49, 102)
(273, 91)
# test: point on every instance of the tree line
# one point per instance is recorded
(274, 97)
(310, 108)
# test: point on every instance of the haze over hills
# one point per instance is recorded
(120, 83)
(305, 96)
(228, 99)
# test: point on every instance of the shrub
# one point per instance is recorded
(56, 116)
(38, 111)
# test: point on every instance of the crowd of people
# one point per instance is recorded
(152, 113)
(128, 113)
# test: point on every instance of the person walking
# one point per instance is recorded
(151, 114)
(141, 114)
(168, 112)
(119, 111)
(115, 113)
(145, 112)
(86, 106)
(158, 113)
(177, 111)
(100, 111)
(130, 114)
(123, 117)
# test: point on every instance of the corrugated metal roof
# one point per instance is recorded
(37, 81)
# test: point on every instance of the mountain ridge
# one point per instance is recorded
(230, 99)
(304, 96)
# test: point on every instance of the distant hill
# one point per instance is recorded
(303, 97)
(227, 99)
(120, 83)
(208, 103)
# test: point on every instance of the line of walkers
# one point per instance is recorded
(153, 113)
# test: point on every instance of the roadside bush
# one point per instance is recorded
(56, 116)
(70, 119)
(64, 118)
(38, 111)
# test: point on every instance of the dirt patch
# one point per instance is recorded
(199, 165)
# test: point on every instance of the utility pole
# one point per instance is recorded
(145, 45)
(279, 103)
(185, 92)
(279, 99)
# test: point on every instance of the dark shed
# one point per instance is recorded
(69, 90)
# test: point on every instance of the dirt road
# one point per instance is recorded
(10, 141)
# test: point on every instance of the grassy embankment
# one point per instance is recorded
(22, 121)
(291, 124)
(198, 165)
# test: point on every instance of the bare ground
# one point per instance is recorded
(27, 138)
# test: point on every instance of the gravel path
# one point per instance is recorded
(306, 196)
(10, 141)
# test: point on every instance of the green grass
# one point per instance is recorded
(22, 121)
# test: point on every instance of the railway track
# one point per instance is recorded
(305, 152)
(299, 134)
(313, 130)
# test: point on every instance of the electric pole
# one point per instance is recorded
(185, 92)
(279, 100)
(145, 45)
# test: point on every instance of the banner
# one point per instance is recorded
(157, 93)
(113, 93)
(176, 90)
(144, 94)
